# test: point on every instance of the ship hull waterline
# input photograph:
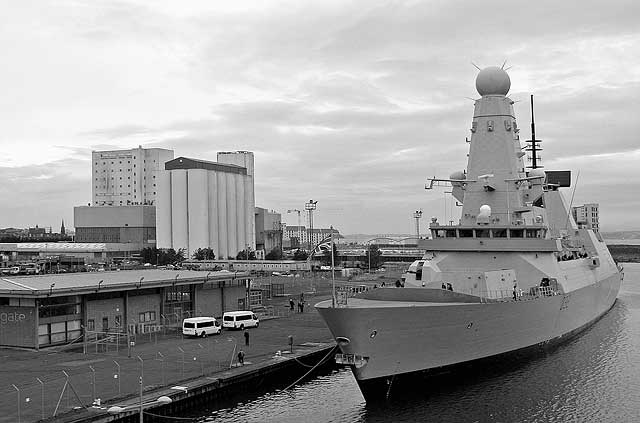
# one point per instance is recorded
(405, 343)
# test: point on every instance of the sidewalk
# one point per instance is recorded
(162, 361)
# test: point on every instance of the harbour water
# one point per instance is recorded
(594, 377)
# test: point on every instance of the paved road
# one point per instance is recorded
(164, 360)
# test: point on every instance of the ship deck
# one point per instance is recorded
(368, 303)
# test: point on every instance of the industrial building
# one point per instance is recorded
(299, 236)
(127, 177)
(268, 230)
(122, 224)
(53, 256)
(202, 204)
(39, 311)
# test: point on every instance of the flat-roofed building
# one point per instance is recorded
(39, 311)
(123, 224)
(268, 230)
(586, 216)
(126, 177)
(203, 204)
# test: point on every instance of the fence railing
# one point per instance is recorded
(111, 376)
(509, 295)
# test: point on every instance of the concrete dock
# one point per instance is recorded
(191, 371)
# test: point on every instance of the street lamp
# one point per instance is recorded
(51, 288)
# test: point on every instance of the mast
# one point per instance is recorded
(533, 148)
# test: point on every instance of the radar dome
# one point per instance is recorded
(485, 211)
(493, 81)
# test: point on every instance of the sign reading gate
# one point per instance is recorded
(17, 326)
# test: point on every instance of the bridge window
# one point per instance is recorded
(516, 233)
(483, 233)
(466, 233)
(499, 233)
(533, 233)
(450, 233)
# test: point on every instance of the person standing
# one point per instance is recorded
(246, 337)
(290, 303)
(241, 358)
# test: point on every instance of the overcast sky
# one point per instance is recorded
(351, 103)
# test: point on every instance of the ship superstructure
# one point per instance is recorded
(516, 271)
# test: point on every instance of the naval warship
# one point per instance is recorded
(515, 273)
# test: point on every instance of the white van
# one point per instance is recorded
(239, 320)
(201, 326)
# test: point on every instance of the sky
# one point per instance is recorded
(349, 103)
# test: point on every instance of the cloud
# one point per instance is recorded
(351, 103)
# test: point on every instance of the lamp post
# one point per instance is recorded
(51, 288)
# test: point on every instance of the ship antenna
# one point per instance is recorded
(534, 159)
(533, 148)
(566, 225)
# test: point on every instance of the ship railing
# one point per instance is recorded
(520, 294)
(345, 291)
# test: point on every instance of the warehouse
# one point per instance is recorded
(40, 311)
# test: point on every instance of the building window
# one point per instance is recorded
(91, 324)
(147, 316)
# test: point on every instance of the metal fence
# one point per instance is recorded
(110, 376)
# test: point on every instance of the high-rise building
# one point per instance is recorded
(586, 216)
(127, 177)
(203, 204)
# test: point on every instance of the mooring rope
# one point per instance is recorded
(171, 417)
(324, 359)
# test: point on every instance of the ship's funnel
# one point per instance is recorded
(485, 214)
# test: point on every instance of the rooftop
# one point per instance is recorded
(187, 163)
(88, 282)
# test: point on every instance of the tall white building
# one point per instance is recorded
(127, 177)
(586, 216)
(202, 204)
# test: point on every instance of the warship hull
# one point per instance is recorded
(404, 340)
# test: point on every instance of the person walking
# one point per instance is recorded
(241, 358)
(246, 337)
(290, 303)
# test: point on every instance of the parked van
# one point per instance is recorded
(201, 326)
(239, 320)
